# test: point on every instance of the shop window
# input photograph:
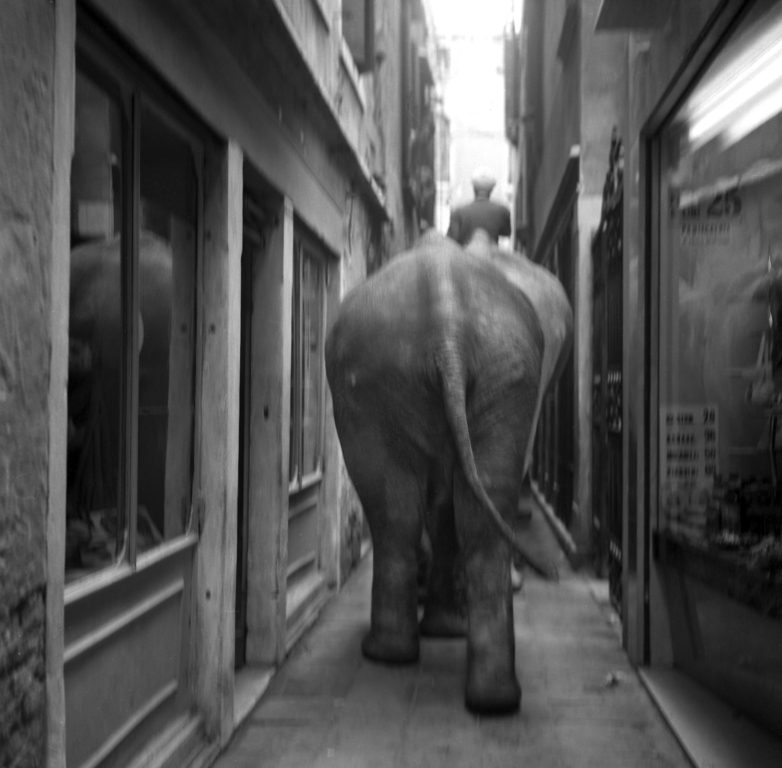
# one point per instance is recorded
(307, 377)
(96, 528)
(131, 390)
(720, 385)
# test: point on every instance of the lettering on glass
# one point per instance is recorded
(707, 219)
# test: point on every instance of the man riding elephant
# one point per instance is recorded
(435, 367)
(481, 213)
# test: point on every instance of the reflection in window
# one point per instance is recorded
(95, 529)
(720, 361)
(167, 259)
(110, 418)
(721, 270)
(307, 362)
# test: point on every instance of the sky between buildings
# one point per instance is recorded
(474, 94)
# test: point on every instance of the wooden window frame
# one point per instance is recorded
(106, 62)
(306, 246)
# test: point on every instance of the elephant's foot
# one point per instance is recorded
(443, 622)
(492, 695)
(390, 649)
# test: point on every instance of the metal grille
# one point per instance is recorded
(607, 379)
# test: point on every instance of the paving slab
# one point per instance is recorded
(582, 702)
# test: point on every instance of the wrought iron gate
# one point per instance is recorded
(554, 454)
(607, 297)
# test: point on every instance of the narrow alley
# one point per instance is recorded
(582, 703)
(282, 281)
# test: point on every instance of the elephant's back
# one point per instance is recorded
(383, 329)
(397, 320)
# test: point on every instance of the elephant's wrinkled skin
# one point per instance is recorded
(551, 305)
(434, 365)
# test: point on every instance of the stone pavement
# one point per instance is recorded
(582, 703)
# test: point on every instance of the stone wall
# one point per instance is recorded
(22, 698)
(26, 119)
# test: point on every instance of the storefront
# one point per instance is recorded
(133, 466)
(703, 451)
(207, 250)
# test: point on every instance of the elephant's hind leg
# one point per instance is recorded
(492, 686)
(392, 501)
(499, 423)
(445, 608)
(396, 531)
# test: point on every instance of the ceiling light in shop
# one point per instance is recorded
(744, 92)
(756, 113)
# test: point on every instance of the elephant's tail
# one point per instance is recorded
(456, 413)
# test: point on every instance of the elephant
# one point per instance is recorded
(551, 304)
(434, 365)
(94, 390)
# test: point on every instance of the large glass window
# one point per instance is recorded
(720, 370)
(134, 202)
(721, 277)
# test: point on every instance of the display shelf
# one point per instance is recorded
(730, 571)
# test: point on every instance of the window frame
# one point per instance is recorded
(106, 62)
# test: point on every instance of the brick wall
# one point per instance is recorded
(22, 681)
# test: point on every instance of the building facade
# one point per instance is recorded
(188, 190)
(564, 97)
(700, 497)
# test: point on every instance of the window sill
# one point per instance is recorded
(708, 729)
(113, 574)
(305, 483)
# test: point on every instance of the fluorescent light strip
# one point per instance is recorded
(757, 114)
(748, 85)
(743, 89)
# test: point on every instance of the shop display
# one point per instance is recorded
(720, 425)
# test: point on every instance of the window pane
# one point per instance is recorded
(167, 268)
(95, 527)
(312, 287)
